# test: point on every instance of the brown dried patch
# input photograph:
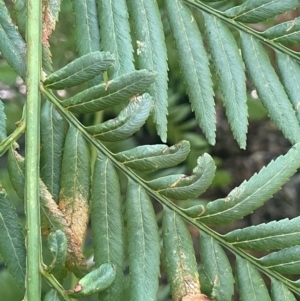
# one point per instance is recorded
(76, 213)
(53, 219)
(78, 288)
(49, 22)
(198, 297)
(185, 285)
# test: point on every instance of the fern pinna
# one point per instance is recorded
(125, 65)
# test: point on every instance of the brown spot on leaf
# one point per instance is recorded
(107, 85)
(53, 218)
(185, 284)
(49, 21)
(198, 297)
(78, 288)
(76, 212)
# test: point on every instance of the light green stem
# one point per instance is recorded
(54, 283)
(32, 206)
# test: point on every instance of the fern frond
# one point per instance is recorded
(229, 67)
(115, 35)
(87, 26)
(152, 157)
(143, 244)
(250, 283)
(290, 75)
(194, 65)
(80, 70)
(152, 55)
(142, 229)
(74, 191)
(53, 129)
(180, 261)
(51, 216)
(251, 194)
(182, 187)
(12, 244)
(112, 93)
(217, 268)
(107, 223)
(286, 33)
(128, 122)
(271, 236)
(253, 11)
(269, 88)
(279, 292)
(12, 45)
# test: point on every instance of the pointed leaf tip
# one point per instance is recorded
(95, 281)
(251, 194)
(152, 157)
(254, 11)
(128, 122)
(182, 187)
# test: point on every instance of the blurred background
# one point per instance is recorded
(264, 143)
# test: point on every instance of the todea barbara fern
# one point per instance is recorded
(66, 198)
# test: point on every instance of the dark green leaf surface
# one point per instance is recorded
(286, 261)
(152, 55)
(287, 33)
(111, 93)
(58, 246)
(12, 242)
(53, 129)
(217, 267)
(129, 121)
(20, 10)
(86, 26)
(194, 65)
(75, 183)
(87, 34)
(95, 281)
(52, 295)
(12, 45)
(16, 167)
(107, 223)
(115, 35)
(179, 257)
(253, 11)
(290, 75)
(231, 74)
(251, 194)
(269, 88)
(152, 157)
(2, 122)
(79, 71)
(49, 21)
(143, 244)
(271, 236)
(181, 187)
(250, 283)
(279, 292)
